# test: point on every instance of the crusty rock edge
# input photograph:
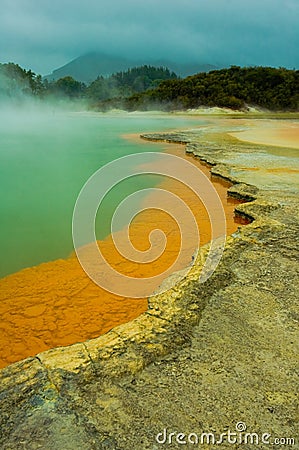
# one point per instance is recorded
(166, 324)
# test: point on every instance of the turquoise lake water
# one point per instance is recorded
(45, 159)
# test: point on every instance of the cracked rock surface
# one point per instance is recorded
(203, 358)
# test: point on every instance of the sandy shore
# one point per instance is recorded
(286, 134)
(263, 131)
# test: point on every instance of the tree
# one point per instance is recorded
(266, 87)
(69, 87)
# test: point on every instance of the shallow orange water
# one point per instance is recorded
(56, 304)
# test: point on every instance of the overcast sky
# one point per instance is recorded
(45, 34)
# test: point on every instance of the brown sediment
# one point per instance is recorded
(56, 304)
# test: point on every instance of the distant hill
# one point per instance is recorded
(185, 70)
(87, 68)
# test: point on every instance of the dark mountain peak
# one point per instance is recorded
(88, 67)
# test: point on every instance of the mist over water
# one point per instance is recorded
(47, 153)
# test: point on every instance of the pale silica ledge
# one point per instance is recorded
(202, 358)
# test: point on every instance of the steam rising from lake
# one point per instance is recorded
(47, 152)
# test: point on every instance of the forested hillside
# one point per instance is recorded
(266, 87)
(148, 87)
(124, 84)
(16, 82)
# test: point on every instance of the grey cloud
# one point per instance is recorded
(44, 35)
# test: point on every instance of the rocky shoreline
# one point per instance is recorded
(201, 359)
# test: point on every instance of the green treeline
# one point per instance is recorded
(125, 84)
(148, 87)
(16, 82)
(235, 88)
